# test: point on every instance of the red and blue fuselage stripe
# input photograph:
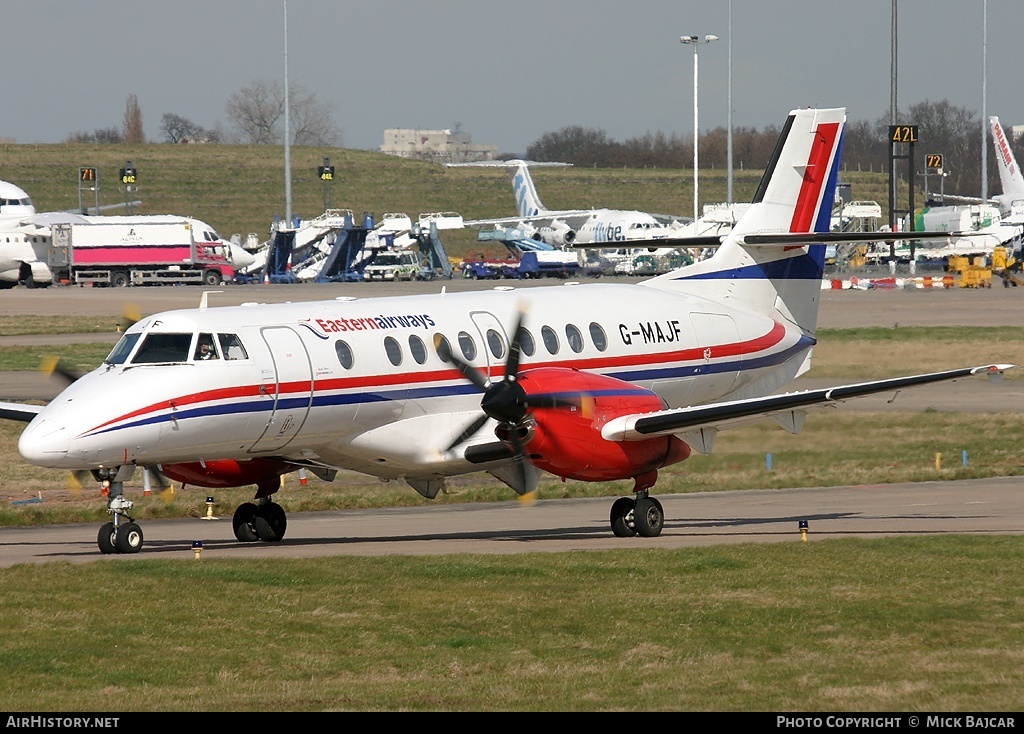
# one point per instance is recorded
(238, 400)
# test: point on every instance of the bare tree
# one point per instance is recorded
(131, 127)
(99, 135)
(178, 129)
(257, 112)
(572, 144)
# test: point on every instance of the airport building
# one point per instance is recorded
(440, 146)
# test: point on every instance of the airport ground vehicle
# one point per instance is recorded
(394, 265)
(136, 253)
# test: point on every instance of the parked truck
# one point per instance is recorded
(137, 253)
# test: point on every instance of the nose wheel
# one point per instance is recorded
(122, 534)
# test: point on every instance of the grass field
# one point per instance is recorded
(240, 189)
(884, 625)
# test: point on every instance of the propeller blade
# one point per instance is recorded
(469, 431)
(77, 480)
(157, 476)
(55, 366)
(468, 371)
(471, 373)
(515, 349)
(129, 316)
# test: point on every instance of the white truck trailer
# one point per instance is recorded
(136, 253)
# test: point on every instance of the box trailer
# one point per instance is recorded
(136, 253)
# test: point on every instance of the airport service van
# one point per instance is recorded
(393, 265)
(136, 253)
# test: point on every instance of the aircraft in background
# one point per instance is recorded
(572, 226)
(595, 382)
(25, 236)
(1011, 201)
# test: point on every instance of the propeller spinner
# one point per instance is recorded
(506, 402)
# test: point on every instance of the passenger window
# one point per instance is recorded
(495, 343)
(550, 338)
(231, 347)
(394, 351)
(418, 349)
(205, 350)
(443, 348)
(598, 336)
(344, 352)
(163, 348)
(526, 343)
(467, 345)
(575, 338)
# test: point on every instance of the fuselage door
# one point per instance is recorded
(494, 341)
(291, 390)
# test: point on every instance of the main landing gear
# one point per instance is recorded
(641, 515)
(265, 521)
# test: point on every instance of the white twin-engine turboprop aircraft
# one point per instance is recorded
(591, 382)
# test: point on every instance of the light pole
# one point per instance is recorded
(695, 41)
(984, 101)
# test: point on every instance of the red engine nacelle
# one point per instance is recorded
(264, 473)
(566, 441)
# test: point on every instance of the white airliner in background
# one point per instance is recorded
(593, 382)
(25, 236)
(1011, 200)
(573, 226)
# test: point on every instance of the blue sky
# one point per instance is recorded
(506, 72)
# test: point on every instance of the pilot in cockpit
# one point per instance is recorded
(206, 350)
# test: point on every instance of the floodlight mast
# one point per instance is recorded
(695, 41)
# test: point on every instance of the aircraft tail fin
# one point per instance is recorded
(527, 202)
(796, 196)
(1009, 173)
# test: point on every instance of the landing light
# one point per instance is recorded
(803, 530)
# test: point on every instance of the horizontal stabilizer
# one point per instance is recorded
(775, 239)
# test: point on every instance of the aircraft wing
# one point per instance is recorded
(19, 411)
(968, 199)
(671, 218)
(574, 219)
(44, 220)
(697, 424)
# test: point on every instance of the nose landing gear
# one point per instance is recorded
(122, 534)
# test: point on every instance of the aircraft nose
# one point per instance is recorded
(44, 443)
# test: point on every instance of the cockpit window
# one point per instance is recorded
(163, 348)
(205, 349)
(124, 347)
(231, 347)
